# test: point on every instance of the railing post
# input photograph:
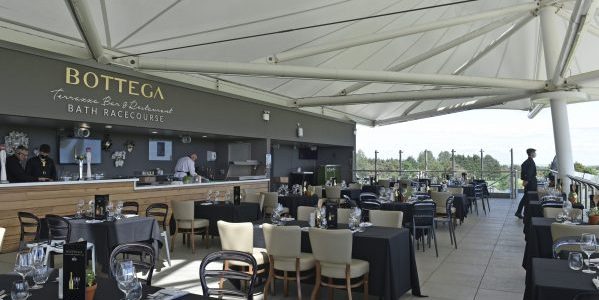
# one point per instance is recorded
(400, 165)
(425, 163)
(512, 179)
(376, 156)
(452, 163)
(481, 164)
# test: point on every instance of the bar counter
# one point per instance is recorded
(61, 197)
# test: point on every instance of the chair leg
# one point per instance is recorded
(271, 275)
(317, 282)
(285, 284)
(207, 230)
(192, 239)
(348, 281)
(221, 282)
(174, 238)
(366, 286)
(297, 278)
(435, 240)
(166, 247)
(482, 200)
(330, 289)
(455, 244)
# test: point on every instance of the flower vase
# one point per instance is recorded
(90, 292)
(594, 220)
(80, 169)
(88, 159)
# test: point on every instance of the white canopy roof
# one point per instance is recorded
(489, 41)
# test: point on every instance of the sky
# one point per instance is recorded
(495, 131)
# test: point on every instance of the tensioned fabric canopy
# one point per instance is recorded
(432, 59)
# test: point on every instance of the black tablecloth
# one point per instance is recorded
(539, 244)
(292, 202)
(389, 251)
(533, 208)
(552, 279)
(108, 234)
(244, 212)
(371, 189)
(106, 290)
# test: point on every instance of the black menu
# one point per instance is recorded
(100, 202)
(73, 275)
(331, 215)
(236, 195)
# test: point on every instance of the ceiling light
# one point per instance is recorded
(154, 131)
(108, 126)
(204, 136)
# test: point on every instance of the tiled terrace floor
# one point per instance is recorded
(485, 266)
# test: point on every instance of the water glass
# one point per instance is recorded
(575, 261)
(24, 263)
(312, 219)
(40, 276)
(125, 277)
(38, 255)
(19, 290)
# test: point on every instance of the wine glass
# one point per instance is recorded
(24, 263)
(125, 277)
(40, 276)
(216, 195)
(588, 244)
(210, 194)
(19, 290)
(575, 261)
(38, 255)
(80, 206)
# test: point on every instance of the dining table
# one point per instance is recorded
(215, 211)
(294, 201)
(106, 289)
(388, 250)
(552, 279)
(105, 235)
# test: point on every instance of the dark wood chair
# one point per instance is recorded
(221, 275)
(160, 212)
(130, 208)
(30, 228)
(145, 264)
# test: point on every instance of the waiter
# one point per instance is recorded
(186, 166)
(14, 169)
(529, 179)
(42, 165)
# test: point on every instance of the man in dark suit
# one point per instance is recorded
(529, 179)
(42, 165)
(14, 170)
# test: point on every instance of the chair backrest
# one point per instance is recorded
(236, 236)
(130, 207)
(254, 198)
(440, 198)
(144, 262)
(59, 229)
(386, 218)
(249, 192)
(478, 190)
(158, 211)
(270, 200)
(282, 241)
(552, 212)
(2, 232)
(455, 190)
(370, 204)
(384, 183)
(317, 190)
(218, 274)
(321, 202)
(333, 192)
(559, 230)
(448, 207)
(331, 246)
(30, 226)
(423, 213)
(303, 212)
(183, 210)
(343, 215)
(354, 186)
(368, 196)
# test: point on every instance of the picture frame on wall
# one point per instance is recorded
(161, 150)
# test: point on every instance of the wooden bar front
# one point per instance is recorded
(62, 198)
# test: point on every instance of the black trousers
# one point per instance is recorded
(522, 203)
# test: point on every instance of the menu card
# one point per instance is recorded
(331, 215)
(236, 195)
(73, 275)
(100, 202)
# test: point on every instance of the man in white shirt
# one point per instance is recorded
(186, 166)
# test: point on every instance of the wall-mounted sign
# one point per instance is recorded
(161, 150)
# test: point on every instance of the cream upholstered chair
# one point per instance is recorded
(253, 197)
(552, 212)
(2, 232)
(240, 237)
(440, 198)
(283, 245)
(559, 231)
(332, 250)
(384, 183)
(386, 218)
(321, 202)
(316, 190)
(355, 186)
(303, 212)
(270, 200)
(343, 215)
(183, 212)
(333, 193)
(455, 190)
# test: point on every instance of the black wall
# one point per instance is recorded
(286, 160)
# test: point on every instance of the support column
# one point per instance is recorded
(552, 44)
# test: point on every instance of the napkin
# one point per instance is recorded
(596, 282)
(168, 294)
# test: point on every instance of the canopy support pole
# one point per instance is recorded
(85, 23)
(559, 105)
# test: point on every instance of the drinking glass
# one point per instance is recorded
(19, 290)
(40, 276)
(588, 244)
(216, 195)
(24, 263)
(38, 255)
(125, 277)
(80, 207)
(210, 195)
(575, 261)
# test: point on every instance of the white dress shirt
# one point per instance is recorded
(184, 165)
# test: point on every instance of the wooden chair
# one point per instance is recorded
(332, 250)
(145, 264)
(130, 208)
(386, 218)
(30, 228)
(160, 212)
(226, 257)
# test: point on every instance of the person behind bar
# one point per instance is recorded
(529, 179)
(14, 168)
(42, 165)
(186, 166)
